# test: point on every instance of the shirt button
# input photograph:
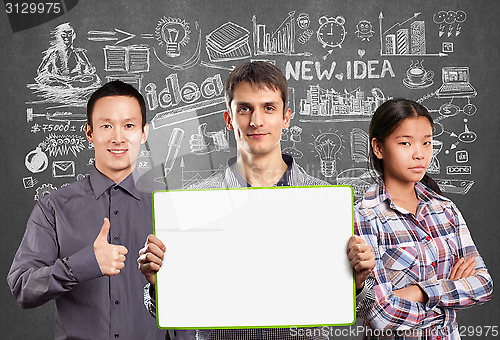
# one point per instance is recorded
(117, 238)
(116, 212)
(116, 188)
(428, 238)
(438, 337)
(117, 302)
(117, 335)
(433, 264)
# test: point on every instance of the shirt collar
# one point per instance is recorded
(100, 183)
(378, 194)
(284, 180)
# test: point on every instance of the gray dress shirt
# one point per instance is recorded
(56, 260)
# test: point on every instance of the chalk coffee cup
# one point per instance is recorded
(418, 76)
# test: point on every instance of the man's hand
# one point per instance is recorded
(110, 257)
(151, 258)
(362, 259)
(463, 268)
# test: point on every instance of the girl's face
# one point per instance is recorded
(407, 152)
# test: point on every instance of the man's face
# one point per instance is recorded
(117, 135)
(256, 117)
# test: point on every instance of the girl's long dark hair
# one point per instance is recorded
(386, 119)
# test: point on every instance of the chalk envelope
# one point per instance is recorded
(63, 169)
(254, 257)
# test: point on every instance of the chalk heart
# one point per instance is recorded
(339, 76)
(361, 53)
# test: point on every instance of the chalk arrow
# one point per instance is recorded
(110, 36)
(404, 22)
(458, 30)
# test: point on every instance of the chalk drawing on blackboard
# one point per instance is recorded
(65, 74)
(360, 145)
(219, 67)
(91, 161)
(129, 59)
(417, 77)
(280, 42)
(172, 34)
(63, 169)
(194, 177)
(162, 119)
(450, 109)
(434, 165)
(115, 36)
(228, 42)
(447, 47)
(467, 136)
(173, 94)
(406, 41)
(328, 146)
(438, 129)
(458, 170)
(62, 145)
(295, 137)
(330, 103)
(360, 179)
(29, 182)
(36, 160)
(331, 33)
(173, 146)
(449, 17)
(456, 83)
(305, 36)
(303, 21)
(361, 52)
(461, 156)
(43, 190)
(364, 30)
(454, 186)
(172, 48)
(219, 139)
(59, 113)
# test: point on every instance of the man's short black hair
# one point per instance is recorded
(115, 88)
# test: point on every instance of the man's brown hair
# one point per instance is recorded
(260, 74)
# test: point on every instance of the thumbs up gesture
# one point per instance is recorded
(110, 257)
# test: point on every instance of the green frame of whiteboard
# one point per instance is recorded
(258, 327)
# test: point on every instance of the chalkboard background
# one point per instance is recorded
(342, 59)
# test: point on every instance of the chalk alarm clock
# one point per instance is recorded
(331, 31)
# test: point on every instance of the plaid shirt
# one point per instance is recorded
(418, 249)
(294, 176)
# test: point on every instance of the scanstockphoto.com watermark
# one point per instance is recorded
(359, 331)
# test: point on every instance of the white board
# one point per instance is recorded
(256, 257)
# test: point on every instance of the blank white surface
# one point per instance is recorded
(254, 257)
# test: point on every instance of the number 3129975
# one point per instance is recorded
(32, 7)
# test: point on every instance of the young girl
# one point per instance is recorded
(427, 266)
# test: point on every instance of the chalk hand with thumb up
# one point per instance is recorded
(110, 257)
